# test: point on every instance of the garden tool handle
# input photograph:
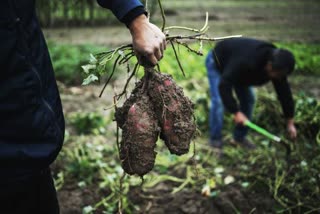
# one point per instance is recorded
(261, 131)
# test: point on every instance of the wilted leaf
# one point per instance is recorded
(87, 68)
(91, 78)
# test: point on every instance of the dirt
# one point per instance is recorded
(250, 21)
(160, 200)
(72, 198)
(174, 111)
(156, 105)
(140, 131)
(230, 200)
(156, 200)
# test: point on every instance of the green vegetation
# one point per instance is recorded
(68, 59)
(88, 123)
(265, 180)
(289, 184)
(72, 13)
(307, 56)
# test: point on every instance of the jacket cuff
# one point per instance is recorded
(120, 7)
(233, 110)
(132, 14)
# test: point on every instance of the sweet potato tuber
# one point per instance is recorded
(155, 101)
(140, 132)
(174, 112)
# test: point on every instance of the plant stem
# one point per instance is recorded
(176, 55)
(162, 15)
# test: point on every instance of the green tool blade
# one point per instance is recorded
(262, 131)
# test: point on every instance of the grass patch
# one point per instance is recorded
(67, 60)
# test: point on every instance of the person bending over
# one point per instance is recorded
(234, 66)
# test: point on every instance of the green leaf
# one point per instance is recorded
(87, 68)
(91, 78)
(93, 59)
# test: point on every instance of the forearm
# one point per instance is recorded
(290, 121)
(291, 128)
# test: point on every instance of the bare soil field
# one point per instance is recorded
(286, 20)
(274, 20)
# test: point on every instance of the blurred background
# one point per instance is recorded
(88, 172)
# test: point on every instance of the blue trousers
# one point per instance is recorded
(246, 99)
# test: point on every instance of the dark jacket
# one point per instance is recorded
(32, 122)
(124, 10)
(241, 62)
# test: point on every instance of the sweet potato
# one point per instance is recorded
(174, 112)
(122, 112)
(140, 132)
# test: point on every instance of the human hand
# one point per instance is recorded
(148, 41)
(240, 118)
(292, 131)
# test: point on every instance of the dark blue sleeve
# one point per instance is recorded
(120, 8)
(230, 76)
(228, 100)
(283, 91)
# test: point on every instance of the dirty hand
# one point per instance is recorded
(240, 118)
(148, 41)
(292, 131)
